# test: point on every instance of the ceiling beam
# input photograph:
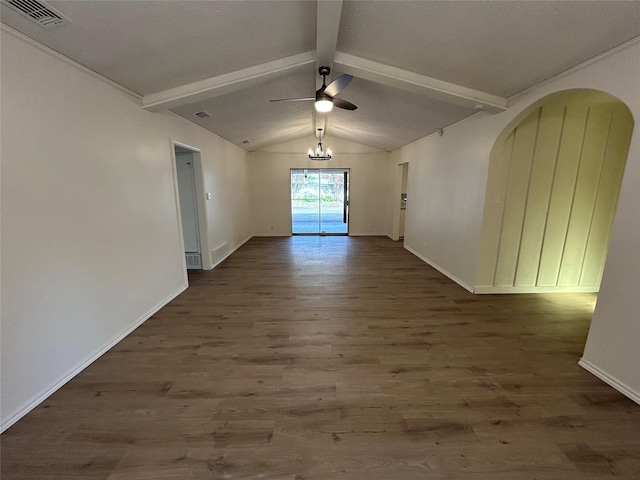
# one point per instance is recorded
(420, 84)
(327, 28)
(227, 83)
(328, 25)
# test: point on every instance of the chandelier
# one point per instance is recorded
(319, 153)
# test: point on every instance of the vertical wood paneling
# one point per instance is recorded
(552, 193)
(595, 140)
(616, 152)
(562, 194)
(540, 183)
(516, 198)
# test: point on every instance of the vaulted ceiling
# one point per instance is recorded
(417, 65)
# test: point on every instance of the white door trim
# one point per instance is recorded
(201, 206)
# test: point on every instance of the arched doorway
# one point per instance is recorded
(554, 180)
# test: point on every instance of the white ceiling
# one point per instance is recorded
(418, 65)
(499, 47)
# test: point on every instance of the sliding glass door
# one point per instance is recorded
(320, 201)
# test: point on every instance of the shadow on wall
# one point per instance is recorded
(554, 179)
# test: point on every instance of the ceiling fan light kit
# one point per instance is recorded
(324, 105)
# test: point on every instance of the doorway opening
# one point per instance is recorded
(403, 171)
(191, 206)
(400, 195)
(320, 201)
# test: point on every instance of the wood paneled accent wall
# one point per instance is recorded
(552, 192)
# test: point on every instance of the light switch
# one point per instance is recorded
(208, 195)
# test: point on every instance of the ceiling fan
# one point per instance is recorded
(325, 95)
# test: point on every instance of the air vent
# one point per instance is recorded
(38, 12)
(193, 260)
(220, 253)
(203, 114)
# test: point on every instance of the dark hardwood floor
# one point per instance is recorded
(336, 358)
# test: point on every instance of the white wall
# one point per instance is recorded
(271, 185)
(447, 178)
(90, 233)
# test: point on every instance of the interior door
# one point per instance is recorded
(320, 201)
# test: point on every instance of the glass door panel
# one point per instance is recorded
(305, 202)
(319, 201)
(333, 218)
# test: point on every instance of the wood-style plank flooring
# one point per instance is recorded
(336, 358)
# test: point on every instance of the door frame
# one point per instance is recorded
(396, 203)
(346, 204)
(201, 205)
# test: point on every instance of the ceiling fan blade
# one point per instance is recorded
(292, 99)
(335, 87)
(338, 102)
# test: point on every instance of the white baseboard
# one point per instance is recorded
(441, 270)
(13, 418)
(241, 243)
(350, 234)
(612, 381)
(505, 289)
(271, 233)
(367, 234)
